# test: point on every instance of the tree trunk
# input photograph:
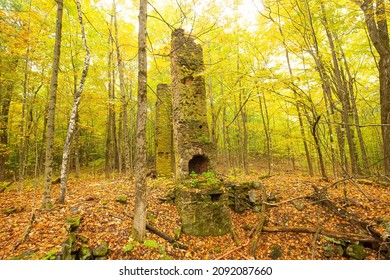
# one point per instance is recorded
(306, 147)
(317, 145)
(5, 99)
(267, 132)
(24, 135)
(343, 93)
(46, 202)
(139, 224)
(124, 118)
(110, 132)
(376, 21)
(74, 114)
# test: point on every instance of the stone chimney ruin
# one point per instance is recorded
(192, 145)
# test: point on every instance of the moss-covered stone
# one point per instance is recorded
(332, 250)
(51, 255)
(73, 222)
(356, 251)
(9, 210)
(276, 252)
(103, 202)
(121, 199)
(68, 248)
(84, 252)
(101, 250)
(203, 212)
(245, 195)
(25, 255)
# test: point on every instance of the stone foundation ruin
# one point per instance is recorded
(203, 212)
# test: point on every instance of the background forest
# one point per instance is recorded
(275, 73)
(296, 86)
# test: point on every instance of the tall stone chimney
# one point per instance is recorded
(164, 133)
(193, 148)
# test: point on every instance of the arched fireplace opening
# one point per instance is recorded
(198, 164)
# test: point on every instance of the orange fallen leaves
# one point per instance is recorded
(107, 222)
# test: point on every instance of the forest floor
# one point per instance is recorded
(106, 220)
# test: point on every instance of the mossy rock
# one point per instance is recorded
(68, 248)
(335, 241)
(151, 243)
(9, 210)
(51, 255)
(84, 252)
(25, 255)
(177, 232)
(121, 199)
(130, 246)
(73, 222)
(356, 251)
(103, 202)
(101, 250)
(332, 250)
(276, 252)
(82, 238)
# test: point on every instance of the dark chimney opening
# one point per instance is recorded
(198, 164)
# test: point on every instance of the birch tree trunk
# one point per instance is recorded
(74, 113)
(139, 223)
(49, 136)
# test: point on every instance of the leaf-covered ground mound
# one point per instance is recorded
(106, 218)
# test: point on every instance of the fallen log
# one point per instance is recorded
(321, 197)
(339, 235)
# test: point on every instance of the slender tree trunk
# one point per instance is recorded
(317, 144)
(77, 148)
(110, 152)
(354, 111)
(244, 117)
(267, 132)
(124, 118)
(139, 223)
(303, 135)
(342, 91)
(302, 129)
(24, 139)
(74, 114)
(46, 202)
(5, 99)
(225, 138)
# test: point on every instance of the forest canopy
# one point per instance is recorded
(288, 82)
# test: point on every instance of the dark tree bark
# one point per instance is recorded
(376, 21)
